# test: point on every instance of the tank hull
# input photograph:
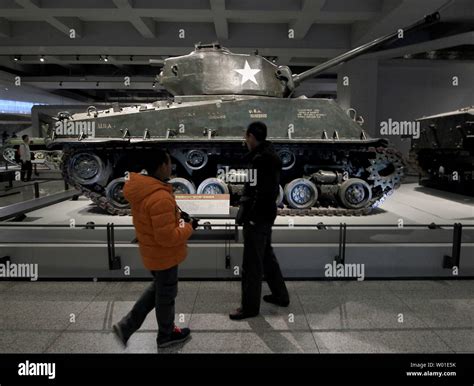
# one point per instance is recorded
(226, 117)
(444, 153)
(320, 145)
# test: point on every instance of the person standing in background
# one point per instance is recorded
(25, 158)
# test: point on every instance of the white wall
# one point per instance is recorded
(411, 91)
(361, 91)
(404, 90)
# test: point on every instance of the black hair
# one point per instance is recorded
(24, 136)
(259, 130)
(153, 160)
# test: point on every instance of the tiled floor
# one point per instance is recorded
(323, 317)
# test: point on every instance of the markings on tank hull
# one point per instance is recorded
(217, 116)
(309, 114)
(257, 113)
(105, 126)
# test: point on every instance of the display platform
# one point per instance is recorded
(419, 232)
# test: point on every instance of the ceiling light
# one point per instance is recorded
(106, 59)
(17, 58)
(153, 85)
(42, 58)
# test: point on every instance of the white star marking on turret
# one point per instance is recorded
(247, 74)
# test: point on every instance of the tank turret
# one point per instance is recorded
(213, 70)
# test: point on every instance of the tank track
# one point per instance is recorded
(103, 203)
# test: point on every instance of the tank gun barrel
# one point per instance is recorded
(427, 20)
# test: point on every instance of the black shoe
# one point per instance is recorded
(272, 299)
(177, 336)
(119, 334)
(240, 314)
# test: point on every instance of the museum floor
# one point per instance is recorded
(324, 317)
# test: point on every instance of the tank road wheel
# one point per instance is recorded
(182, 186)
(196, 159)
(355, 193)
(213, 186)
(288, 159)
(39, 155)
(9, 154)
(281, 196)
(114, 193)
(86, 168)
(301, 193)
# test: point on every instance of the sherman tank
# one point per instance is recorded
(330, 165)
(51, 159)
(444, 152)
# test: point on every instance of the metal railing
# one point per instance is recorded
(230, 232)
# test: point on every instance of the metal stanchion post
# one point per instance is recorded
(36, 186)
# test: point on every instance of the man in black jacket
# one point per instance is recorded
(257, 214)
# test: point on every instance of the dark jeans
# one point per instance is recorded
(159, 295)
(26, 169)
(260, 259)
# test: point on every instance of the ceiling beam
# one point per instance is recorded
(28, 4)
(64, 24)
(164, 51)
(81, 97)
(4, 28)
(145, 26)
(219, 18)
(395, 15)
(92, 82)
(309, 12)
(466, 38)
(181, 15)
(70, 60)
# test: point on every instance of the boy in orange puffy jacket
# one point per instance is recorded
(162, 237)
